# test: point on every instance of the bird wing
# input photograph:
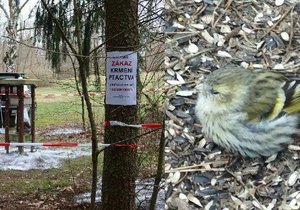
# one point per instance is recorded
(292, 92)
(267, 98)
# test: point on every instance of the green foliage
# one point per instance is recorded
(151, 97)
(65, 23)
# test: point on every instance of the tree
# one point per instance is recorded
(64, 29)
(12, 17)
(120, 164)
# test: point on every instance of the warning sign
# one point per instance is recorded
(121, 70)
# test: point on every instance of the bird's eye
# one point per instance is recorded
(215, 92)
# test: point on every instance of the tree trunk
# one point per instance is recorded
(11, 52)
(120, 167)
(77, 82)
(160, 168)
(95, 153)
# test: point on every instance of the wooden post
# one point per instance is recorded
(6, 116)
(32, 115)
(20, 116)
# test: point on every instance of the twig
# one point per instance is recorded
(181, 179)
(279, 21)
(128, 139)
(66, 53)
(195, 166)
(196, 170)
(200, 10)
(291, 36)
(215, 9)
(228, 5)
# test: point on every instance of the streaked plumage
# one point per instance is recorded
(252, 113)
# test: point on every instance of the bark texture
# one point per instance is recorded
(120, 167)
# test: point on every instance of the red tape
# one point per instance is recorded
(62, 144)
(151, 125)
(131, 146)
(144, 125)
(107, 123)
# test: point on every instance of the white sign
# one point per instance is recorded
(121, 70)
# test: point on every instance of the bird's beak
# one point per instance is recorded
(199, 87)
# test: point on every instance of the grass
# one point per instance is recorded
(57, 113)
(75, 173)
(61, 110)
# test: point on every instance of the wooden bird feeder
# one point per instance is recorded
(17, 94)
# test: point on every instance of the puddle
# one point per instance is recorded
(144, 191)
(65, 131)
(43, 158)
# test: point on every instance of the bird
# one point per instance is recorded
(251, 113)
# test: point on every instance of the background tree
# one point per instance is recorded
(64, 29)
(12, 16)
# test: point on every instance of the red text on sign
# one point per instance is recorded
(121, 63)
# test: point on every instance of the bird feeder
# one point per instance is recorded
(17, 100)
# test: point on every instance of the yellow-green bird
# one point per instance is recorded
(247, 112)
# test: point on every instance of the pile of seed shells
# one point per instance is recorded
(202, 36)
